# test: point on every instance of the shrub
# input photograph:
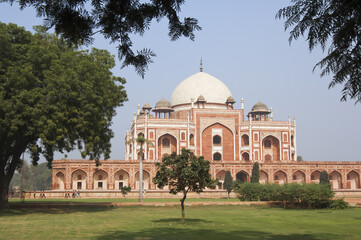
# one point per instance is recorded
(290, 195)
(338, 204)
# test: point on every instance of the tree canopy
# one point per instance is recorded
(78, 20)
(53, 98)
(332, 24)
(324, 178)
(33, 177)
(184, 173)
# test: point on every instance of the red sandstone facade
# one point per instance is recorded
(201, 117)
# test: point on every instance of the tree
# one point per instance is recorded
(255, 173)
(125, 190)
(184, 173)
(141, 140)
(33, 177)
(336, 24)
(78, 21)
(52, 98)
(299, 159)
(324, 178)
(228, 182)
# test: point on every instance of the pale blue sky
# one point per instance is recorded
(243, 45)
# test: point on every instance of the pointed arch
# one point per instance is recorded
(271, 147)
(263, 176)
(353, 180)
(280, 177)
(79, 178)
(167, 144)
(100, 179)
(59, 181)
(245, 140)
(315, 176)
(225, 148)
(245, 156)
(298, 177)
(121, 179)
(146, 180)
(335, 180)
(242, 176)
(220, 176)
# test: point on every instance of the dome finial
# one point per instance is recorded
(201, 67)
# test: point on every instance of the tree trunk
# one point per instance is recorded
(182, 205)
(4, 188)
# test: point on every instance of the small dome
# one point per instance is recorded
(201, 98)
(230, 99)
(162, 104)
(146, 106)
(260, 107)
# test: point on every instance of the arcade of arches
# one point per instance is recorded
(109, 179)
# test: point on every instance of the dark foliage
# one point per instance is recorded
(290, 195)
(228, 182)
(78, 20)
(324, 178)
(332, 24)
(255, 173)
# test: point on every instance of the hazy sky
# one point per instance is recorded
(243, 45)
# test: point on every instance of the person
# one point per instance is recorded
(66, 194)
(22, 196)
(34, 194)
(73, 194)
(78, 195)
(43, 196)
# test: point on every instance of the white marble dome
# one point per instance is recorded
(201, 83)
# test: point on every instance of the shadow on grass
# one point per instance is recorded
(177, 220)
(16, 211)
(184, 233)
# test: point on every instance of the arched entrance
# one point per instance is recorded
(335, 180)
(298, 177)
(242, 177)
(263, 177)
(146, 180)
(353, 180)
(280, 177)
(100, 180)
(315, 177)
(79, 179)
(271, 147)
(121, 178)
(167, 144)
(59, 181)
(245, 156)
(220, 176)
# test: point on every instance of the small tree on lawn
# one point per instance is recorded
(184, 173)
(324, 179)
(255, 173)
(228, 183)
(125, 190)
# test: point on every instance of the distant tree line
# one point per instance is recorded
(31, 177)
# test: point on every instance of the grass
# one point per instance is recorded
(107, 200)
(208, 222)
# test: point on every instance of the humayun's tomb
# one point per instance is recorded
(201, 117)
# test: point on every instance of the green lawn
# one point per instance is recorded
(208, 222)
(107, 200)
